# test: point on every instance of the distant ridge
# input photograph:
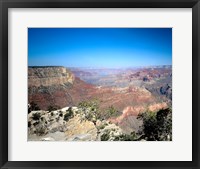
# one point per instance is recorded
(44, 66)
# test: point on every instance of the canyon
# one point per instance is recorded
(121, 94)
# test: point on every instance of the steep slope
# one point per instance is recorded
(50, 86)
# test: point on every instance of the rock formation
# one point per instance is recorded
(51, 88)
(70, 124)
(48, 76)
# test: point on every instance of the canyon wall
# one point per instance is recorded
(48, 76)
(49, 85)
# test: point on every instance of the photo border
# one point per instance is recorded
(6, 4)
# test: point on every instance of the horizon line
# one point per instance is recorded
(99, 67)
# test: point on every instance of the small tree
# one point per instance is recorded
(93, 112)
(92, 104)
(156, 125)
(69, 114)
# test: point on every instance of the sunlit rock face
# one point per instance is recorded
(49, 85)
(48, 76)
(69, 124)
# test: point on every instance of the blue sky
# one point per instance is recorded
(99, 47)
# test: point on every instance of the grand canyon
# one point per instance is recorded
(99, 84)
(98, 104)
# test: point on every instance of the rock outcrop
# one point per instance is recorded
(55, 86)
(69, 124)
(48, 76)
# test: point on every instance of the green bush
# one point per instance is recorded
(157, 126)
(90, 116)
(91, 109)
(105, 137)
(36, 116)
(111, 112)
(69, 114)
(102, 127)
(92, 104)
(126, 137)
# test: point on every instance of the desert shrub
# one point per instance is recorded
(92, 104)
(33, 106)
(91, 109)
(129, 137)
(156, 125)
(70, 110)
(36, 116)
(90, 116)
(69, 114)
(105, 137)
(102, 127)
(53, 107)
(122, 137)
(126, 137)
(111, 112)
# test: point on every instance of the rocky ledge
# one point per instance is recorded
(70, 124)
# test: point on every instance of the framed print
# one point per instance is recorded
(99, 84)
